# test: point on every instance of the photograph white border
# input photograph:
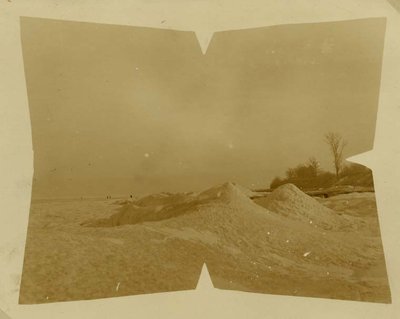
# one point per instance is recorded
(203, 17)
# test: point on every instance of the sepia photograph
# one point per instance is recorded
(153, 157)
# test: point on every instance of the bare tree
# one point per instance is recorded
(290, 173)
(314, 165)
(336, 144)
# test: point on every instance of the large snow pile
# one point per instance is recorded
(164, 206)
(289, 201)
(163, 240)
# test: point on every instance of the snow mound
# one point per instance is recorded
(226, 192)
(289, 201)
(163, 199)
(224, 202)
(226, 198)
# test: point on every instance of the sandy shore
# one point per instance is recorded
(285, 243)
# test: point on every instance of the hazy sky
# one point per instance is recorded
(119, 110)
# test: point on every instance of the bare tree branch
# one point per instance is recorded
(336, 145)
